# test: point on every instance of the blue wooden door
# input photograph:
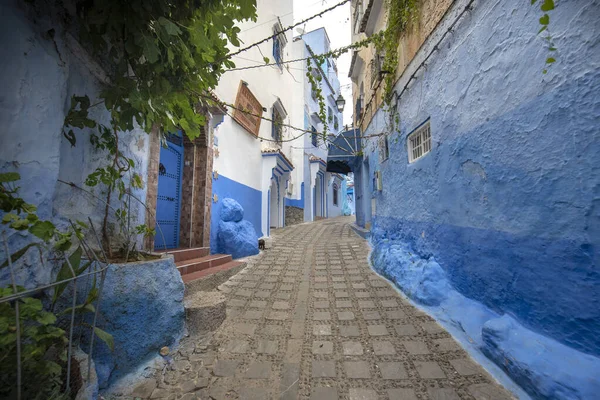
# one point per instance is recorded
(168, 200)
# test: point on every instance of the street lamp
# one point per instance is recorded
(340, 103)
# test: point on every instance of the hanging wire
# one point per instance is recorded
(281, 31)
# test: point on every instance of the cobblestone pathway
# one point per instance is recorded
(309, 320)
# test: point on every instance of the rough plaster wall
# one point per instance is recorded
(37, 84)
(507, 202)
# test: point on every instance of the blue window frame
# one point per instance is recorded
(277, 50)
(314, 137)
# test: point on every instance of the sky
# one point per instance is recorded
(337, 24)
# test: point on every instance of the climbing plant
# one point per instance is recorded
(158, 56)
(401, 16)
(43, 342)
(313, 67)
(546, 6)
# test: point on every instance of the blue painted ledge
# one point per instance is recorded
(543, 367)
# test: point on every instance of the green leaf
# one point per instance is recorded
(150, 50)
(43, 229)
(545, 19)
(65, 273)
(46, 318)
(20, 224)
(266, 60)
(70, 136)
(18, 254)
(547, 6)
(542, 29)
(9, 218)
(81, 308)
(105, 337)
(9, 177)
(550, 60)
(169, 26)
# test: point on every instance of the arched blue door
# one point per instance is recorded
(168, 201)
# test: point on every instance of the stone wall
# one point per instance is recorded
(293, 215)
(196, 193)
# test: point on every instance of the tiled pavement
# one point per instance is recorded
(308, 319)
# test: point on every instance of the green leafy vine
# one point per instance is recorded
(546, 6)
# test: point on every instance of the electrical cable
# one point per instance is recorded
(280, 32)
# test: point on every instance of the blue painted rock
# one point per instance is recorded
(237, 238)
(142, 307)
(231, 210)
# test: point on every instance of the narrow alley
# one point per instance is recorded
(308, 318)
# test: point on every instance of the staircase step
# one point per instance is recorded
(188, 254)
(201, 263)
(210, 271)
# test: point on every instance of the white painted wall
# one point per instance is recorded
(240, 156)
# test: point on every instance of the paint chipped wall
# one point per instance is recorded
(42, 75)
(508, 200)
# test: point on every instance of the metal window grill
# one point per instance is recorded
(419, 142)
(78, 327)
(277, 50)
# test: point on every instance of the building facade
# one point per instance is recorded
(252, 156)
(320, 192)
(484, 195)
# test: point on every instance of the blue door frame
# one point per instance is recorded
(168, 200)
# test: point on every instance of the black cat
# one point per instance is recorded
(261, 244)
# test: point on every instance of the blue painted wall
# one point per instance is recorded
(508, 200)
(295, 202)
(250, 199)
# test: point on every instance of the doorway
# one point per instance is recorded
(168, 199)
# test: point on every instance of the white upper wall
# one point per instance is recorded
(240, 155)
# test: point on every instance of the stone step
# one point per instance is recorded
(202, 263)
(206, 273)
(188, 254)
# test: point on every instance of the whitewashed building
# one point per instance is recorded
(252, 160)
(321, 192)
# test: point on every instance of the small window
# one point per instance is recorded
(384, 148)
(314, 137)
(336, 124)
(419, 142)
(335, 195)
(277, 50)
(276, 125)
(329, 115)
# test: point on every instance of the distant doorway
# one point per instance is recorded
(274, 205)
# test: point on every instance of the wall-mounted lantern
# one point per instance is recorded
(340, 103)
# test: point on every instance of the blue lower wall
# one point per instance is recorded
(295, 202)
(507, 202)
(250, 199)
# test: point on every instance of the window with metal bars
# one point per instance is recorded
(276, 125)
(419, 142)
(277, 53)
